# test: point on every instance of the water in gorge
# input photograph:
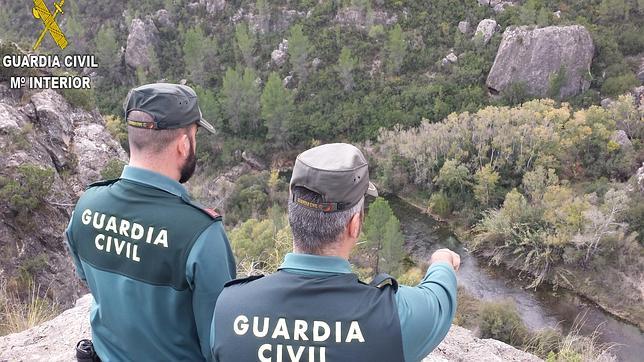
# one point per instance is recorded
(539, 308)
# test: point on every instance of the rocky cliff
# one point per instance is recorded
(549, 62)
(50, 150)
(55, 341)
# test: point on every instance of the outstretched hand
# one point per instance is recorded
(448, 256)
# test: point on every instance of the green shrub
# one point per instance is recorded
(28, 189)
(617, 85)
(439, 204)
(112, 169)
(82, 98)
(501, 320)
(117, 127)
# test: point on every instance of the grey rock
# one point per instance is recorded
(213, 6)
(55, 341)
(163, 19)
(461, 345)
(491, 3)
(280, 55)
(316, 63)
(449, 58)
(141, 40)
(606, 102)
(621, 138)
(640, 71)
(486, 28)
(639, 177)
(500, 7)
(376, 67)
(356, 17)
(638, 96)
(464, 26)
(532, 56)
(284, 19)
(253, 161)
(47, 132)
(288, 82)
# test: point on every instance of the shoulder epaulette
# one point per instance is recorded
(243, 280)
(103, 183)
(208, 211)
(382, 280)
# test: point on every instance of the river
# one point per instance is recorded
(539, 308)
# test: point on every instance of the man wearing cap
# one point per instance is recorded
(154, 260)
(313, 308)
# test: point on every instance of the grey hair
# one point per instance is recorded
(314, 230)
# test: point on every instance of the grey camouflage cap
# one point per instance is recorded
(338, 172)
(169, 106)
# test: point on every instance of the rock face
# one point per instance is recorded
(141, 40)
(43, 131)
(55, 341)
(639, 177)
(534, 57)
(280, 55)
(464, 26)
(213, 6)
(357, 17)
(487, 28)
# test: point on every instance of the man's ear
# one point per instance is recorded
(183, 145)
(354, 225)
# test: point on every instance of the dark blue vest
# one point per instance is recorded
(293, 317)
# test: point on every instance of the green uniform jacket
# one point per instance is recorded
(425, 311)
(155, 263)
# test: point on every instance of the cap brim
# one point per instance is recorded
(203, 123)
(371, 190)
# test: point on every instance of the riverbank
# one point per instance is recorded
(611, 289)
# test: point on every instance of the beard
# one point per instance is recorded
(189, 166)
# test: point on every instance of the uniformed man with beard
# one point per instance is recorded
(154, 260)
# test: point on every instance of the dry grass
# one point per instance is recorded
(573, 347)
(18, 314)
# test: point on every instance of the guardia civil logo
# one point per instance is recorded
(48, 19)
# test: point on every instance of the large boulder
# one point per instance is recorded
(55, 341)
(485, 29)
(534, 57)
(141, 40)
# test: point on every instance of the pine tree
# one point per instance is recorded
(246, 43)
(264, 14)
(231, 95)
(298, 51)
(396, 49)
(277, 109)
(250, 99)
(107, 49)
(345, 67)
(194, 54)
(383, 236)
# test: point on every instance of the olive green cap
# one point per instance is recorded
(169, 106)
(338, 172)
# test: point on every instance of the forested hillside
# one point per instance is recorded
(278, 74)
